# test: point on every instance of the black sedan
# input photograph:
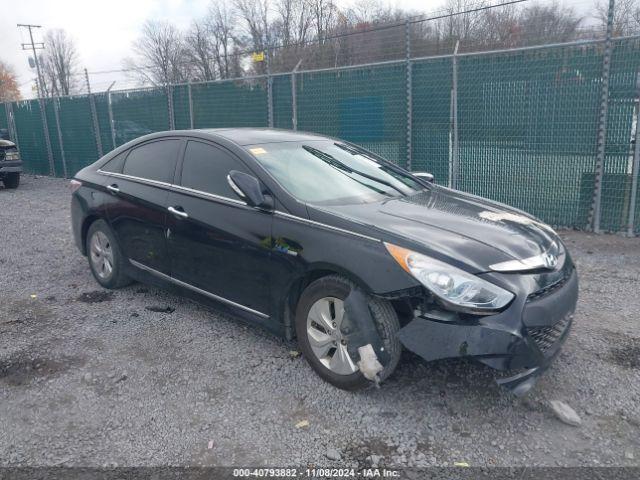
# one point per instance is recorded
(318, 239)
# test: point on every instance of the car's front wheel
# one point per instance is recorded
(319, 316)
(11, 180)
(105, 259)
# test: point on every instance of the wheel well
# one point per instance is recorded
(296, 289)
(85, 228)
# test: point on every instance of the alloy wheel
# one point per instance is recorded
(325, 338)
(101, 254)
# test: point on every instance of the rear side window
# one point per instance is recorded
(115, 164)
(153, 161)
(206, 167)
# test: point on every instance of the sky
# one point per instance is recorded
(104, 31)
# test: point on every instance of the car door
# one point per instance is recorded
(139, 186)
(217, 243)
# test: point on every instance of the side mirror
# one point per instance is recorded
(427, 177)
(248, 188)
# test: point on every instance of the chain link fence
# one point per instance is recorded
(518, 126)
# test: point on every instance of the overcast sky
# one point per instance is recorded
(103, 31)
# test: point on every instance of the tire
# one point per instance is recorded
(105, 248)
(11, 180)
(335, 289)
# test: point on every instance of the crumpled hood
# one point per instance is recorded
(463, 227)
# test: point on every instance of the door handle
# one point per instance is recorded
(113, 188)
(179, 213)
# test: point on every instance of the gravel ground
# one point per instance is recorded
(93, 377)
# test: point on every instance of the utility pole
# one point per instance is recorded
(33, 46)
(40, 84)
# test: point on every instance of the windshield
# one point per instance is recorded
(332, 173)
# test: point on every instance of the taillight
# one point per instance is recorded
(74, 185)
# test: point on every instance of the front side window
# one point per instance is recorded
(205, 168)
(153, 161)
(326, 172)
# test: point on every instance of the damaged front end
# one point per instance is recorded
(521, 341)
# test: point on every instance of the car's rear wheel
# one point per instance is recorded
(105, 259)
(319, 316)
(11, 180)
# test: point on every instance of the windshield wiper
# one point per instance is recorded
(393, 170)
(333, 161)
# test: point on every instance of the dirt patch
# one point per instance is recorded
(361, 452)
(23, 311)
(627, 353)
(159, 309)
(20, 370)
(96, 296)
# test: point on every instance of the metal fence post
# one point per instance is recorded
(454, 163)
(635, 167)
(172, 121)
(408, 67)
(111, 121)
(190, 105)
(47, 139)
(8, 110)
(294, 97)
(94, 116)
(56, 112)
(602, 124)
(269, 91)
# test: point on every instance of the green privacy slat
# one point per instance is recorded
(616, 182)
(3, 117)
(78, 136)
(367, 106)
(431, 109)
(102, 112)
(527, 130)
(181, 107)
(527, 122)
(53, 136)
(33, 149)
(137, 113)
(240, 103)
(282, 102)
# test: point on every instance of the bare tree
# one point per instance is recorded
(256, 37)
(325, 18)
(459, 25)
(9, 91)
(59, 64)
(200, 50)
(293, 22)
(626, 16)
(547, 23)
(220, 21)
(254, 13)
(500, 28)
(161, 57)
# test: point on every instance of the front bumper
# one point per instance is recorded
(525, 338)
(11, 166)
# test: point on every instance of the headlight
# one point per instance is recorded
(456, 288)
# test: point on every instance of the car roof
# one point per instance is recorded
(252, 136)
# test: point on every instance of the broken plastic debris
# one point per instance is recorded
(210, 445)
(369, 364)
(565, 413)
(460, 464)
(33, 295)
(294, 353)
(302, 424)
